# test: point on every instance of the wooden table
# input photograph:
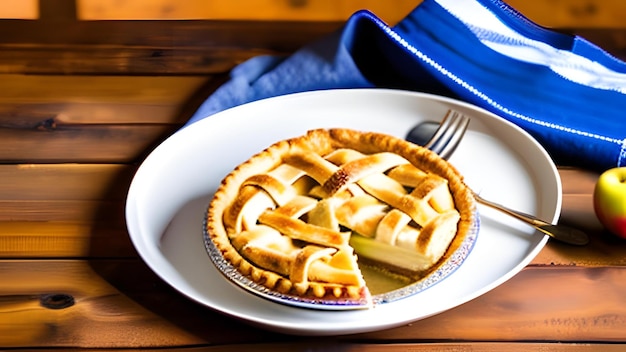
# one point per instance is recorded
(567, 299)
(81, 104)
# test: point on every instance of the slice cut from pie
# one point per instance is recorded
(305, 215)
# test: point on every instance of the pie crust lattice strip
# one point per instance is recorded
(302, 218)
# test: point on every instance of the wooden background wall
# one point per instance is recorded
(551, 13)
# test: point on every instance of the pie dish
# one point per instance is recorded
(303, 217)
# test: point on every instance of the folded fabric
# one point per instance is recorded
(566, 92)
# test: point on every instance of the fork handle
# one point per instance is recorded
(527, 218)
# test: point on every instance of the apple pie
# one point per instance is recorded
(303, 216)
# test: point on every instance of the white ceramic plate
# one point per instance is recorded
(172, 188)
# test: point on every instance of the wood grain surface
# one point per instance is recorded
(86, 93)
(121, 304)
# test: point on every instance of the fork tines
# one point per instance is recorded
(449, 134)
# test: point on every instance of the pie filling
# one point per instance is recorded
(301, 216)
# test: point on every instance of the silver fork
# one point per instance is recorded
(449, 134)
(444, 142)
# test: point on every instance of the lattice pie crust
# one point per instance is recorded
(291, 217)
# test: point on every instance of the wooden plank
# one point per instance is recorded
(254, 10)
(39, 102)
(62, 210)
(573, 13)
(92, 118)
(603, 249)
(417, 347)
(102, 316)
(153, 90)
(279, 36)
(25, 322)
(538, 304)
(408, 346)
(555, 13)
(37, 182)
(146, 47)
(23, 9)
(58, 10)
(36, 115)
(103, 239)
(81, 144)
(119, 59)
(117, 301)
(330, 345)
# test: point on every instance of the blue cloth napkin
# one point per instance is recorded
(566, 92)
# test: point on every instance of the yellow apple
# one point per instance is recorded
(609, 200)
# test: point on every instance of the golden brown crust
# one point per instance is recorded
(241, 187)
